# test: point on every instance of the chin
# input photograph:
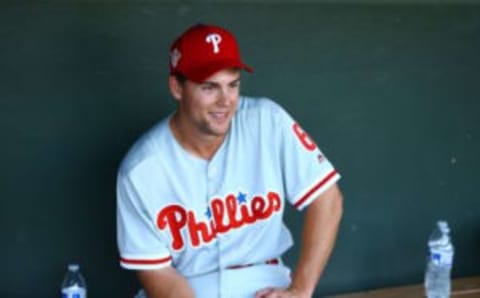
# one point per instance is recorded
(220, 131)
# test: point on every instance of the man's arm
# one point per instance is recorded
(320, 228)
(164, 283)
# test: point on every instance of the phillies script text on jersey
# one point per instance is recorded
(226, 216)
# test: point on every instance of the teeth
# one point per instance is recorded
(219, 116)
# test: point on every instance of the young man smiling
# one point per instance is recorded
(205, 110)
(201, 195)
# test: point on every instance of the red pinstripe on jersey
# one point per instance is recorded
(146, 262)
(315, 188)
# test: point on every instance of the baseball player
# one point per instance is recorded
(201, 195)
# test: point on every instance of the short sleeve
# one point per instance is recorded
(307, 172)
(140, 244)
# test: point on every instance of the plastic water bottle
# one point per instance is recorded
(440, 261)
(73, 285)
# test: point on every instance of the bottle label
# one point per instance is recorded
(443, 258)
(74, 292)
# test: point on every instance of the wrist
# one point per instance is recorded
(299, 291)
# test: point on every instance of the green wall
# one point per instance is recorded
(390, 93)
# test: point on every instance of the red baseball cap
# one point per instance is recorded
(203, 50)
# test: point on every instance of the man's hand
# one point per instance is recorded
(320, 227)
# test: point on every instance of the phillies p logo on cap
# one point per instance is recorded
(203, 50)
(214, 39)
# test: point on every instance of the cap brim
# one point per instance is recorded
(200, 74)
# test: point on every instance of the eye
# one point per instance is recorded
(208, 87)
(235, 84)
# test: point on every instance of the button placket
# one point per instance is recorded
(211, 179)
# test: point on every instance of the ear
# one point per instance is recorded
(176, 89)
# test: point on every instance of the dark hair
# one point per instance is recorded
(181, 79)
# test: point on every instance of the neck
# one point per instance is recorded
(193, 141)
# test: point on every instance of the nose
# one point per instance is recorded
(226, 97)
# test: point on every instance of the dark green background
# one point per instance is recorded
(389, 92)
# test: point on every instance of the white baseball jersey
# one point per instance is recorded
(203, 216)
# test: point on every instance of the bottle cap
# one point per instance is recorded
(443, 226)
